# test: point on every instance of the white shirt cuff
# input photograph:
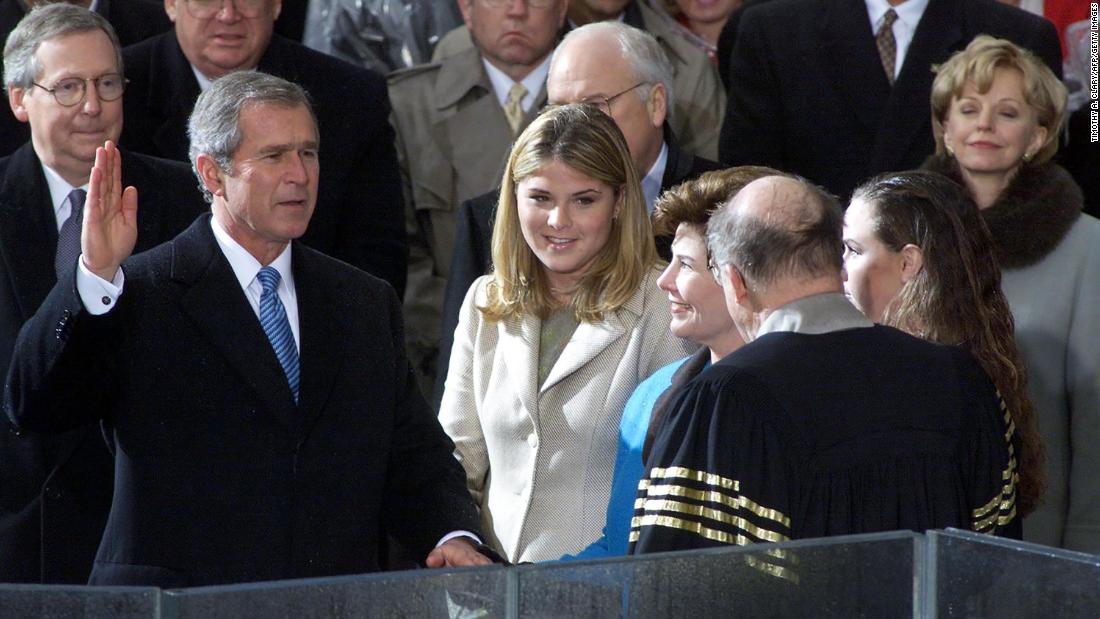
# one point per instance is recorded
(97, 294)
(453, 534)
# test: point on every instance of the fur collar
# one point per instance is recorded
(1033, 214)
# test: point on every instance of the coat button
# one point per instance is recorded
(532, 440)
(53, 493)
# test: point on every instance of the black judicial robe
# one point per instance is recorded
(854, 431)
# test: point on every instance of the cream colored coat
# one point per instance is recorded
(539, 460)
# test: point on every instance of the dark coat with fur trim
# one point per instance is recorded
(1050, 255)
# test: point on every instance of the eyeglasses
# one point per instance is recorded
(715, 270)
(604, 103)
(531, 4)
(205, 9)
(71, 90)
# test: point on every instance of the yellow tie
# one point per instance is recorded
(513, 107)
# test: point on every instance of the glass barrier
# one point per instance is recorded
(458, 594)
(870, 575)
(974, 575)
(898, 574)
(18, 601)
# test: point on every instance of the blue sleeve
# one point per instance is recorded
(629, 467)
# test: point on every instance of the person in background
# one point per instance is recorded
(133, 21)
(834, 90)
(702, 21)
(63, 75)
(997, 115)
(917, 257)
(550, 345)
(699, 315)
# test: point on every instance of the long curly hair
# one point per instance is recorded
(956, 297)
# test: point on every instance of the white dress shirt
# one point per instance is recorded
(59, 194)
(909, 13)
(502, 84)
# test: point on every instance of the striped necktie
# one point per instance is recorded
(68, 237)
(275, 324)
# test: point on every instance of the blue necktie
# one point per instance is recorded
(275, 324)
(68, 237)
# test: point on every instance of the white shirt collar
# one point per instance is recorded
(59, 194)
(651, 184)
(245, 266)
(502, 84)
(909, 14)
(204, 82)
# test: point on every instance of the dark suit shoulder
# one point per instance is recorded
(318, 73)
(135, 21)
(137, 59)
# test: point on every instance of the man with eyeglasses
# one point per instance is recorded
(626, 73)
(132, 20)
(63, 75)
(455, 122)
(358, 218)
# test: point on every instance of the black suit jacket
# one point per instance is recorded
(55, 491)
(133, 21)
(220, 477)
(808, 93)
(359, 217)
(473, 246)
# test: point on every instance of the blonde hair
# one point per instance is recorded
(588, 141)
(978, 63)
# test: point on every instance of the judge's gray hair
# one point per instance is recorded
(214, 127)
(799, 237)
(42, 24)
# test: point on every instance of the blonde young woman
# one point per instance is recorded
(550, 345)
(997, 114)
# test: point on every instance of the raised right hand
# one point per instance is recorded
(110, 215)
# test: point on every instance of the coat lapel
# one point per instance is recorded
(28, 230)
(214, 300)
(849, 56)
(321, 353)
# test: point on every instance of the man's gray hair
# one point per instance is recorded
(42, 24)
(647, 59)
(801, 241)
(214, 127)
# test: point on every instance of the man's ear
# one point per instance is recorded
(465, 7)
(170, 8)
(912, 261)
(277, 9)
(740, 289)
(15, 100)
(211, 174)
(657, 106)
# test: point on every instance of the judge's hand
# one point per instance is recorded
(110, 215)
(456, 552)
